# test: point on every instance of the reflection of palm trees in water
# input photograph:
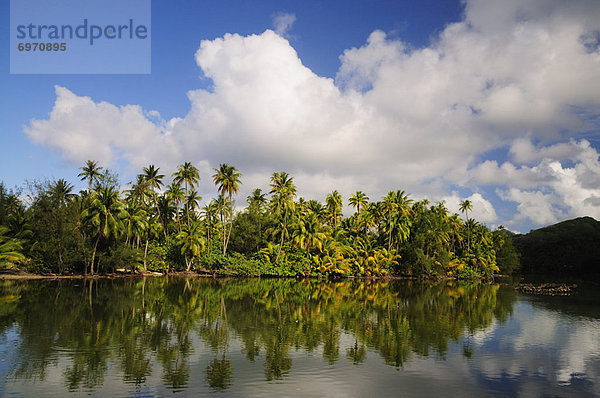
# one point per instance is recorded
(218, 371)
(153, 320)
(277, 346)
(467, 349)
(356, 354)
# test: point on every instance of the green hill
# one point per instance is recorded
(571, 247)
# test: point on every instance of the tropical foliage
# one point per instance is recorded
(159, 225)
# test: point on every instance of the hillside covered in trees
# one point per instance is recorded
(160, 223)
(570, 247)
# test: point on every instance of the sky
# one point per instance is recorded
(497, 102)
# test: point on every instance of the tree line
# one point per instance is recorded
(158, 226)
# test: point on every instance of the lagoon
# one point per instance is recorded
(284, 337)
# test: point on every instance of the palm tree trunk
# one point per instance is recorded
(94, 256)
(223, 225)
(208, 234)
(230, 226)
(282, 232)
(187, 206)
(390, 238)
(468, 234)
(146, 253)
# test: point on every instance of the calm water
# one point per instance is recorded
(171, 336)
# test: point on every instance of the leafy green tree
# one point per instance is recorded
(176, 196)
(227, 179)
(104, 217)
(191, 242)
(153, 181)
(334, 207)
(192, 201)
(282, 202)
(465, 206)
(210, 214)
(396, 210)
(188, 175)
(507, 256)
(309, 234)
(60, 197)
(135, 224)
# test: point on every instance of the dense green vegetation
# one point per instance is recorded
(570, 248)
(159, 227)
(132, 324)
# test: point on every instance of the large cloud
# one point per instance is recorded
(547, 191)
(80, 129)
(394, 117)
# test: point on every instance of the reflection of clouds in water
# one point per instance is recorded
(481, 336)
(581, 352)
(538, 328)
(537, 350)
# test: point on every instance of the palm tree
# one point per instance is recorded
(309, 235)
(257, 200)
(227, 178)
(256, 205)
(152, 178)
(186, 174)
(139, 193)
(60, 192)
(376, 211)
(334, 206)
(210, 213)
(135, 224)
(166, 210)
(60, 195)
(153, 181)
(366, 221)
(10, 248)
(397, 208)
(191, 203)
(90, 172)
(104, 216)
(192, 242)
(455, 225)
(177, 196)
(465, 206)
(138, 225)
(358, 200)
(317, 208)
(284, 192)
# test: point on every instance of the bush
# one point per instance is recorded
(468, 273)
(157, 257)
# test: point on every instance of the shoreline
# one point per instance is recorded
(28, 276)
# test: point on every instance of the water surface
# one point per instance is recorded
(271, 337)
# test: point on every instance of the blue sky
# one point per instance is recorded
(492, 101)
